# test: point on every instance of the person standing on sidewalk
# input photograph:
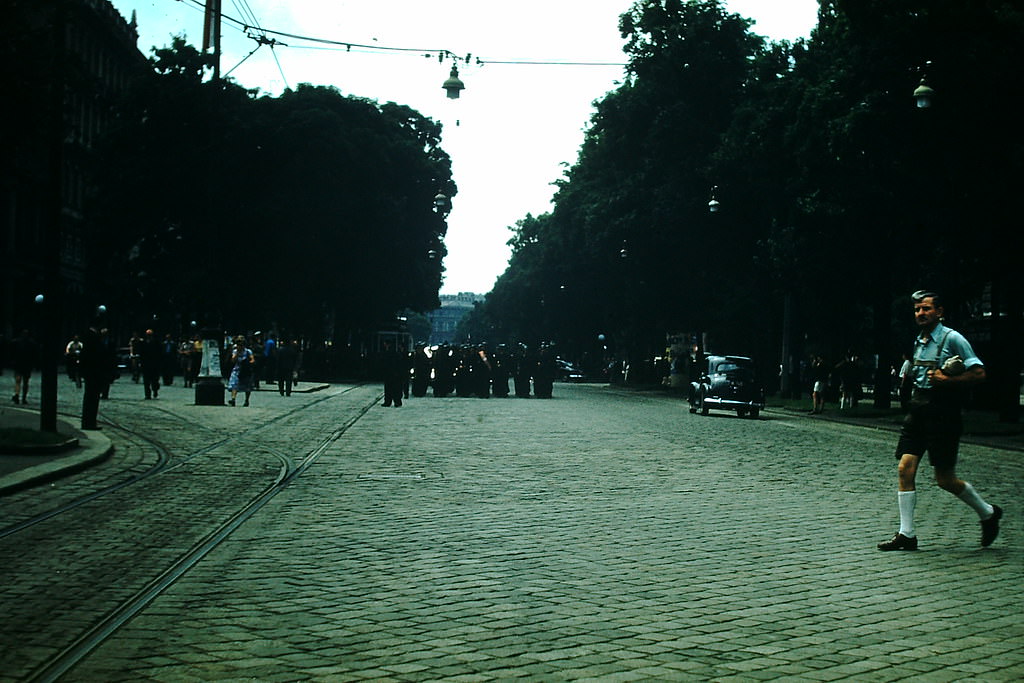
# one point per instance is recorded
(73, 359)
(96, 374)
(287, 355)
(819, 380)
(24, 357)
(944, 366)
(151, 359)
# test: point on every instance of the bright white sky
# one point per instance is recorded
(514, 127)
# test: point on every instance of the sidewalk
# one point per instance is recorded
(34, 465)
(980, 427)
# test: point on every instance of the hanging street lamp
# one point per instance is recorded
(924, 95)
(441, 204)
(454, 84)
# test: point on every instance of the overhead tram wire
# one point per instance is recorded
(253, 25)
(551, 63)
(442, 53)
(245, 10)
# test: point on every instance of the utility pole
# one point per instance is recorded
(50, 302)
(211, 33)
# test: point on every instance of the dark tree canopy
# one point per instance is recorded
(312, 210)
(838, 196)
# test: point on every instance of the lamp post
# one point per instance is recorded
(50, 301)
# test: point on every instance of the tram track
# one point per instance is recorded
(85, 644)
(165, 460)
(242, 498)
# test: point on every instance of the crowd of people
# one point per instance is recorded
(93, 361)
(468, 371)
(841, 383)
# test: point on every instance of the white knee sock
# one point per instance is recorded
(907, 500)
(971, 497)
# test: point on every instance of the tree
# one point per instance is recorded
(310, 210)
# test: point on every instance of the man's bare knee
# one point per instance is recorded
(908, 472)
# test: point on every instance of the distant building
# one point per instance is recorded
(444, 320)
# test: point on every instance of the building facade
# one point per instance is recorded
(445, 320)
(67, 63)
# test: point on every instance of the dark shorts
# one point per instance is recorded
(934, 428)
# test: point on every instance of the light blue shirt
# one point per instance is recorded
(934, 349)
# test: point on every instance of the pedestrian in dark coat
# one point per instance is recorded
(480, 372)
(522, 371)
(168, 360)
(95, 374)
(24, 356)
(395, 368)
(443, 363)
(544, 372)
(287, 355)
(151, 359)
(500, 372)
(420, 370)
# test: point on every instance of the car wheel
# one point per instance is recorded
(703, 406)
(741, 412)
(754, 413)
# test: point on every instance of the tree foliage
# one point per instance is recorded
(312, 210)
(837, 194)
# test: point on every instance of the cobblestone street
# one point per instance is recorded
(602, 535)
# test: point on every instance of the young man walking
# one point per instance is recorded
(944, 366)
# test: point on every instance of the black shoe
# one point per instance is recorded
(990, 526)
(14, 398)
(899, 542)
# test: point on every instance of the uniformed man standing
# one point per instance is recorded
(500, 372)
(544, 372)
(420, 370)
(395, 367)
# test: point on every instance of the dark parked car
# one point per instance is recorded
(727, 383)
(567, 372)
